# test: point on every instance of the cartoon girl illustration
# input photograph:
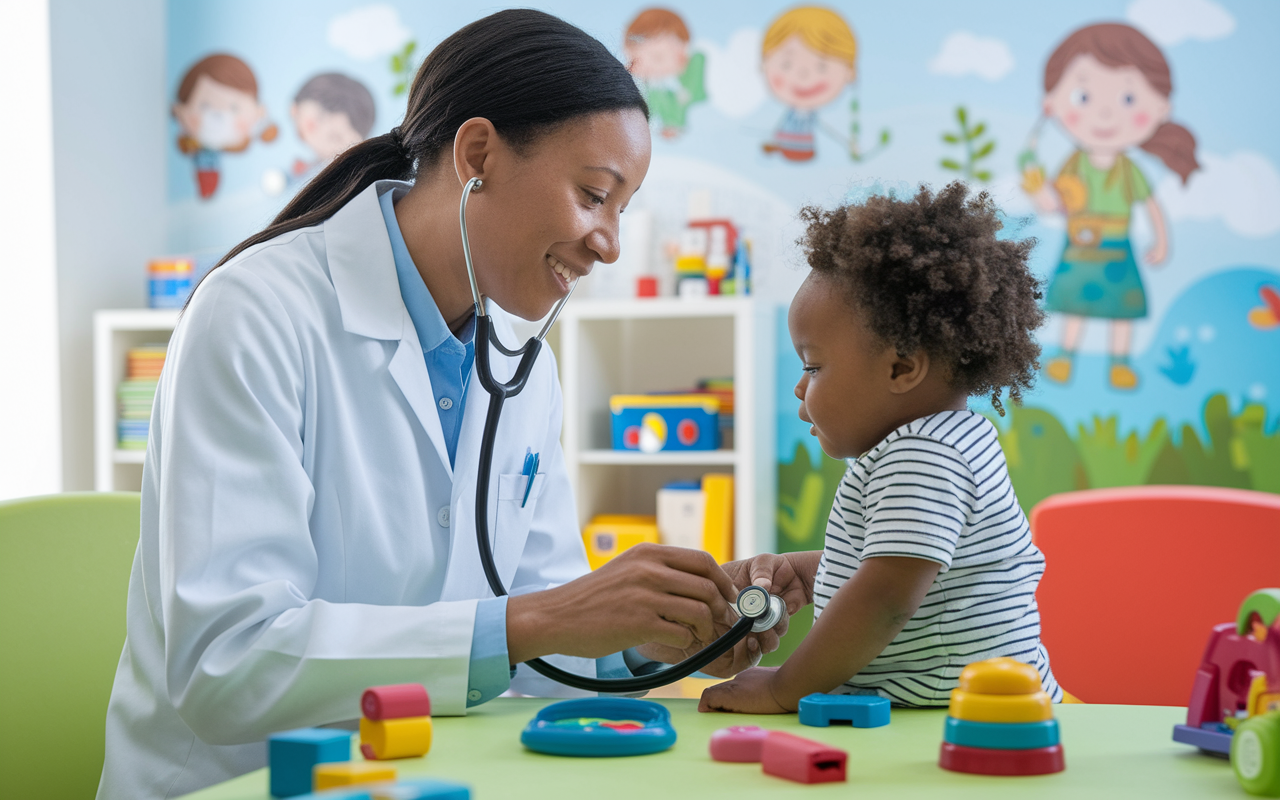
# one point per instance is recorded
(657, 48)
(808, 60)
(1108, 88)
(218, 112)
(331, 112)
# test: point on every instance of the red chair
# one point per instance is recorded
(1137, 577)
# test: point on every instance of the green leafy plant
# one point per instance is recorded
(976, 149)
(806, 491)
(403, 67)
(855, 135)
(1112, 461)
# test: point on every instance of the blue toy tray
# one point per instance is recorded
(600, 726)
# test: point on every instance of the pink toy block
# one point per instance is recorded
(802, 760)
(740, 744)
(395, 701)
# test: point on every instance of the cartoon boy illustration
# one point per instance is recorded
(808, 60)
(331, 112)
(218, 112)
(657, 50)
(1107, 86)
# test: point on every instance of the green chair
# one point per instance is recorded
(64, 576)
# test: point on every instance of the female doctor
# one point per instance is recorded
(309, 486)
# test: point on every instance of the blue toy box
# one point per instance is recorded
(665, 422)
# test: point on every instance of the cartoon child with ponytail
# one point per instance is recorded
(1108, 88)
(218, 112)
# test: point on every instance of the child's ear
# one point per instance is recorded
(907, 371)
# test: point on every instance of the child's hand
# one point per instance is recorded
(776, 574)
(749, 693)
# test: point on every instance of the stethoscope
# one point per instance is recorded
(758, 609)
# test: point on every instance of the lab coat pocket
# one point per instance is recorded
(514, 516)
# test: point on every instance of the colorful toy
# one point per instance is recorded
(1001, 722)
(1239, 676)
(802, 760)
(1255, 754)
(607, 535)
(654, 423)
(413, 789)
(600, 726)
(349, 773)
(739, 744)
(860, 711)
(396, 722)
(292, 755)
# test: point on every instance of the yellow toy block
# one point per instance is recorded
(406, 737)
(717, 526)
(1000, 676)
(1034, 707)
(610, 534)
(347, 773)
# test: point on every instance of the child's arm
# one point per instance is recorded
(863, 617)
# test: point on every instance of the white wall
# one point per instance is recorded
(30, 455)
(109, 133)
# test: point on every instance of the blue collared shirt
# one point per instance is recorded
(449, 360)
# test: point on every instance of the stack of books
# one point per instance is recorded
(136, 393)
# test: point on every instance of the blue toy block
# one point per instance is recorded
(292, 755)
(1001, 735)
(1210, 738)
(414, 789)
(859, 710)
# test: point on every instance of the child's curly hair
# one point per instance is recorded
(930, 274)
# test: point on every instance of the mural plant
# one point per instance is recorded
(1113, 461)
(976, 148)
(403, 67)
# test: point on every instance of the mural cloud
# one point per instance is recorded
(1242, 190)
(963, 53)
(368, 32)
(735, 86)
(1171, 22)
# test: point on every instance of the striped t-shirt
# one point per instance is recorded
(938, 489)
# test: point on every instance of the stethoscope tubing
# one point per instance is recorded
(499, 393)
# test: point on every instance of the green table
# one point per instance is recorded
(1111, 751)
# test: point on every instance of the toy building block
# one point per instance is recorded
(1000, 676)
(742, 744)
(1255, 755)
(413, 789)
(406, 737)
(1001, 736)
(802, 760)
(1211, 737)
(1035, 707)
(292, 755)
(860, 711)
(981, 761)
(395, 701)
(349, 773)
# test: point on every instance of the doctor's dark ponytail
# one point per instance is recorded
(523, 70)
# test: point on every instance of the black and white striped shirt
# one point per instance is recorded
(938, 489)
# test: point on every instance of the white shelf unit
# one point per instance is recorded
(114, 332)
(610, 347)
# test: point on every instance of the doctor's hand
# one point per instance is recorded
(744, 654)
(667, 596)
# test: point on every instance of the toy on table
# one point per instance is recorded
(1239, 676)
(349, 773)
(1001, 722)
(738, 744)
(608, 535)
(860, 711)
(600, 726)
(412, 789)
(802, 760)
(1255, 754)
(665, 422)
(292, 755)
(396, 722)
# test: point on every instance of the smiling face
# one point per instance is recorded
(1106, 109)
(545, 217)
(802, 77)
(328, 133)
(655, 58)
(218, 116)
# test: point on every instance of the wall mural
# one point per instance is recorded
(1129, 137)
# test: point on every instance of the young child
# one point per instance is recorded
(912, 306)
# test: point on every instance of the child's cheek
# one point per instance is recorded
(1071, 119)
(1141, 119)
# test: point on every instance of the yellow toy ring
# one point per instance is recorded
(1035, 707)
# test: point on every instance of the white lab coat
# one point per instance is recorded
(303, 535)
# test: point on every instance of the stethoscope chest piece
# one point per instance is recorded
(766, 609)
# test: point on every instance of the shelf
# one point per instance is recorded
(658, 308)
(141, 319)
(129, 456)
(679, 458)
